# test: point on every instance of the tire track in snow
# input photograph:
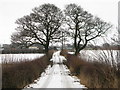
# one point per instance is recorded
(66, 83)
(64, 74)
(48, 79)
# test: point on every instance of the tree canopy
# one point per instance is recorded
(41, 26)
(83, 26)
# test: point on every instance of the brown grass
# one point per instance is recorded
(20, 74)
(94, 74)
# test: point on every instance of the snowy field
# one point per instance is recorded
(94, 54)
(18, 57)
(56, 76)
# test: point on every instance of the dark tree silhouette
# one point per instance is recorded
(41, 26)
(83, 26)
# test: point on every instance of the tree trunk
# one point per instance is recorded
(77, 52)
(47, 47)
(75, 39)
(46, 50)
(78, 49)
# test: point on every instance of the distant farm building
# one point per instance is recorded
(36, 47)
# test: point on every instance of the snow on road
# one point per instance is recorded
(56, 76)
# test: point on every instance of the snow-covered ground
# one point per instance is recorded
(56, 76)
(91, 55)
(18, 57)
(101, 55)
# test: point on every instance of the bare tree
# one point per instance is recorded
(41, 26)
(18, 41)
(83, 27)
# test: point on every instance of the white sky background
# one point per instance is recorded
(11, 10)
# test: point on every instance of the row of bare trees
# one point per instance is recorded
(45, 24)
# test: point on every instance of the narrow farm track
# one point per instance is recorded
(57, 76)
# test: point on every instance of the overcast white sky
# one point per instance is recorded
(11, 10)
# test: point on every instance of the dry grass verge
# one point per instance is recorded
(94, 74)
(20, 74)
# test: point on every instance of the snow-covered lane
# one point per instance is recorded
(57, 76)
